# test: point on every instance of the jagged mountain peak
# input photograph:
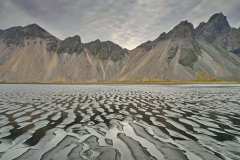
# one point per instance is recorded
(106, 49)
(98, 43)
(218, 17)
(34, 30)
(185, 23)
(218, 31)
(70, 45)
(97, 40)
(17, 35)
(220, 22)
(33, 26)
(75, 38)
(184, 29)
(216, 25)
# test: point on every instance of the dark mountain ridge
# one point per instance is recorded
(216, 29)
(209, 51)
(104, 49)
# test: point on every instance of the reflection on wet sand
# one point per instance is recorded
(119, 122)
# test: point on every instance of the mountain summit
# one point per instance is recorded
(217, 25)
(17, 35)
(218, 31)
(70, 45)
(209, 52)
(182, 30)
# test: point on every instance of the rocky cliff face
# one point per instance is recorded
(106, 50)
(70, 45)
(237, 51)
(17, 36)
(215, 27)
(210, 51)
(218, 31)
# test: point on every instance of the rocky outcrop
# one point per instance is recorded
(218, 31)
(70, 45)
(13, 35)
(106, 49)
(35, 31)
(237, 51)
(216, 26)
(182, 30)
(17, 36)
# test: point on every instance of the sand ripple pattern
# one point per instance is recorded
(116, 122)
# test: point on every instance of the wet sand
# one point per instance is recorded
(119, 122)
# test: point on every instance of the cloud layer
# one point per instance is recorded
(126, 22)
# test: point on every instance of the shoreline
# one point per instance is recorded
(133, 83)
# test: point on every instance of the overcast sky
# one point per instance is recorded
(126, 22)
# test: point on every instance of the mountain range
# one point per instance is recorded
(211, 51)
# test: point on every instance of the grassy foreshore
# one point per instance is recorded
(129, 82)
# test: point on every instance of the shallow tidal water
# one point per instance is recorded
(119, 122)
